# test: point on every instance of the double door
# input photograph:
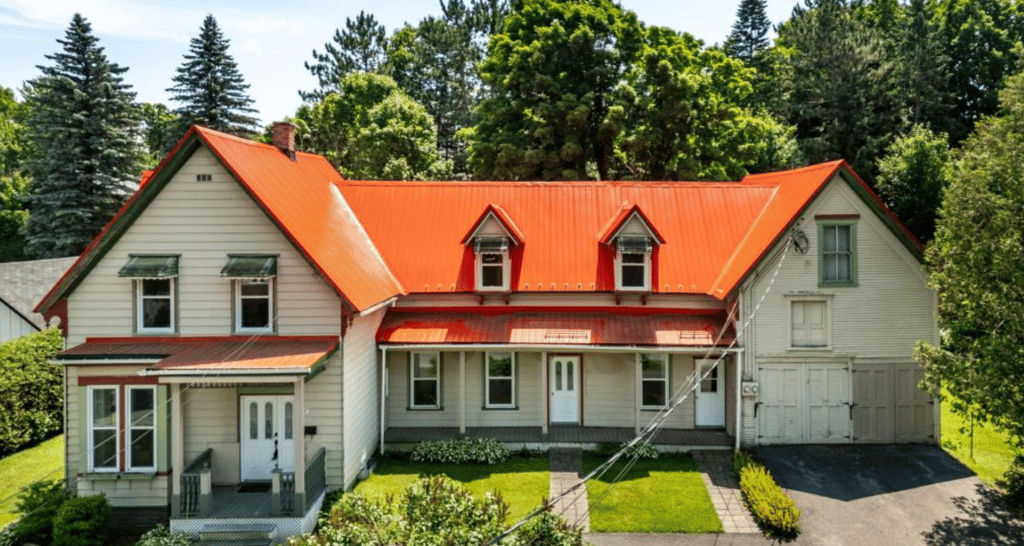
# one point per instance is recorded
(267, 435)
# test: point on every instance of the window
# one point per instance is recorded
(254, 305)
(633, 263)
(653, 381)
(809, 322)
(155, 305)
(103, 440)
(492, 264)
(838, 257)
(709, 380)
(500, 380)
(141, 428)
(425, 390)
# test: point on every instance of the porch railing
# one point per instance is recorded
(287, 492)
(316, 476)
(285, 501)
(197, 486)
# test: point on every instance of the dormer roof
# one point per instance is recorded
(494, 216)
(632, 220)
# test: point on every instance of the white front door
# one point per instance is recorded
(267, 435)
(710, 394)
(565, 389)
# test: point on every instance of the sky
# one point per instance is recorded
(270, 41)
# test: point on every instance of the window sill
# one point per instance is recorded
(852, 284)
(424, 408)
(500, 408)
(653, 408)
(167, 333)
(260, 332)
(115, 476)
(827, 348)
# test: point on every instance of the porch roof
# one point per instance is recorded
(510, 326)
(209, 355)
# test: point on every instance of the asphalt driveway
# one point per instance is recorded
(889, 495)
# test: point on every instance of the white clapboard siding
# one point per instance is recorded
(324, 411)
(203, 222)
(361, 393)
(609, 389)
(529, 394)
(398, 412)
(210, 418)
(127, 493)
(12, 326)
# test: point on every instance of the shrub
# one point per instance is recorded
(161, 535)
(740, 460)
(467, 450)
(1013, 482)
(642, 450)
(38, 504)
(82, 521)
(31, 395)
(548, 529)
(771, 507)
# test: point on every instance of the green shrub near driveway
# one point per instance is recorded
(773, 510)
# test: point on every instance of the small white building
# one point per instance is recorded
(22, 285)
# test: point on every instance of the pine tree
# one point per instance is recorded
(84, 127)
(359, 48)
(750, 31)
(211, 91)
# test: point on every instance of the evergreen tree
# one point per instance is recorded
(360, 47)
(85, 131)
(922, 68)
(211, 91)
(749, 34)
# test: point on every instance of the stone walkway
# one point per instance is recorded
(566, 467)
(716, 470)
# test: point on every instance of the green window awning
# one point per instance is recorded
(150, 267)
(250, 267)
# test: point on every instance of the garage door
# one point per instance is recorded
(888, 406)
(804, 403)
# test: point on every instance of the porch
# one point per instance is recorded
(674, 439)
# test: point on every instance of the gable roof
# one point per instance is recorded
(620, 219)
(299, 196)
(499, 214)
(22, 284)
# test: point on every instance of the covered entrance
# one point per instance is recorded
(266, 431)
(710, 403)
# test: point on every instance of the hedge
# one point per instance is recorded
(467, 450)
(773, 510)
(31, 395)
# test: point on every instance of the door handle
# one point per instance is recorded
(851, 410)
(756, 405)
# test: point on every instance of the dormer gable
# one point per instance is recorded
(632, 237)
(490, 239)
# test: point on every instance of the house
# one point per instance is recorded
(22, 284)
(250, 328)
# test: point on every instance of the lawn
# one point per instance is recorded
(44, 461)
(521, 481)
(664, 495)
(992, 451)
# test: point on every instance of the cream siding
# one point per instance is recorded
(528, 394)
(361, 393)
(210, 419)
(72, 417)
(12, 325)
(609, 390)
(324, 411)
(203, 222)
(127, 492)
(398, 412)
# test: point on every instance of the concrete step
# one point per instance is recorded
(237, 534)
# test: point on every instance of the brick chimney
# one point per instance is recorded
(284, 138)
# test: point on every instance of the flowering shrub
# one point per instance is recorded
(467, 450)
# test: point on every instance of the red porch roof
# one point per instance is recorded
(210, 354)
(587, 327)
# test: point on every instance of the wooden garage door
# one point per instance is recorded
(888, 406)
(804, 403)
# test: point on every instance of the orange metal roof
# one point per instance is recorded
(209, 354)
(586, 327)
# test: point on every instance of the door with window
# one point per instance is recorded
(710, 394)
(267, 436)
(565, 389)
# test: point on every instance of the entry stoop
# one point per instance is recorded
(237, 534)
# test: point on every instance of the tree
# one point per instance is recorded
(551, 73)
(974, 264)
(209, 88)
(14, 182)
(922, 67)
(361, 47)
(749, 34)
(912, 176)
(85, 131)
(160, 129)
(372, 130)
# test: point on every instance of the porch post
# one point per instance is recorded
(299, 441)
(738, 363)
(177, 450)
(638, 394)
(544, 394)
(462, 393)
(383, 392)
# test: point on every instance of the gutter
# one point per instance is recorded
(694, 350)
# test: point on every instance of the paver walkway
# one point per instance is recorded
(566, 468)
(716, 470)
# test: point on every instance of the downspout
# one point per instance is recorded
(383, 379)
(739, 398)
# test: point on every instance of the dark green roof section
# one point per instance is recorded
(150, 267)
(250, 267)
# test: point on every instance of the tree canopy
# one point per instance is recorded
(361, 47)
(749, 35)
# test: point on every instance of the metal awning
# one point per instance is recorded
(250, 267)
(150, 267)
(491, 244)
(633, 244)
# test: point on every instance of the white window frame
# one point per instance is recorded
(413, 379)
(130, 429)
(90, 428)
(488, 377)
(238, 304)
(665, 359)
(825, 299)
(618, 271)
(140, 299)
(506, 270)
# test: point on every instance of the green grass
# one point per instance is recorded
(521, 481)
(45, 460)
(664, 495)
(992, 452)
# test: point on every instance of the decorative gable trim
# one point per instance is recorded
(494, 213)
(627, 215)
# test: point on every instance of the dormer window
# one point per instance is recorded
(492, 264)
(633, 263)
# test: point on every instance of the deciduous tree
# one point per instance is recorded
(912, 177)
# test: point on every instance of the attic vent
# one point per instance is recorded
(691, 337)
(204, 178)
(567, 336)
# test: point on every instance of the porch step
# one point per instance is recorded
(237, 534)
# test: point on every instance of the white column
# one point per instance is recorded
(637, 392)
(383, 392)
(738, 365)
(462, 392)
(544, 392)
(299, 439)
(177, 449)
